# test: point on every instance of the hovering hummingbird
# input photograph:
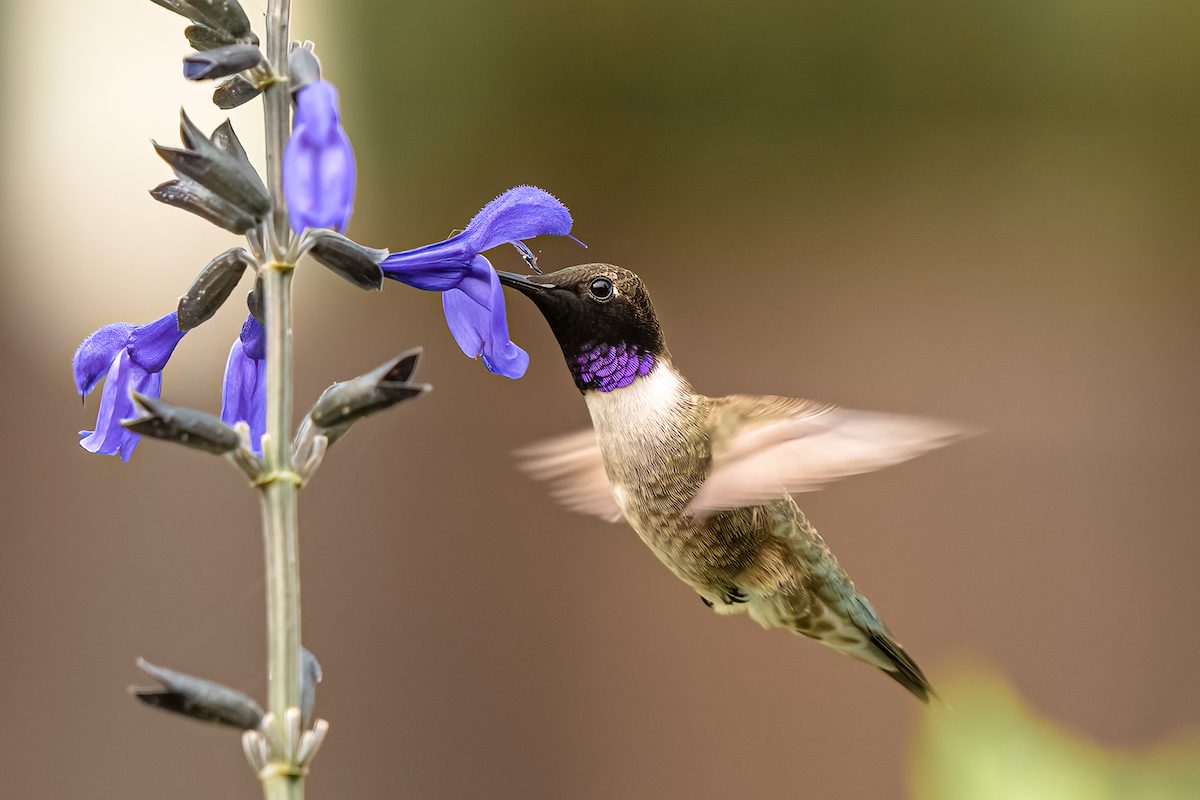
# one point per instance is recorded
(706, 481)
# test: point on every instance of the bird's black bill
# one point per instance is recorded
(523, 284)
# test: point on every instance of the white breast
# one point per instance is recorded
(642, 407)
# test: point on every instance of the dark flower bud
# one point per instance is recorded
(219, 165)
(310, 676)
(185, 426)
(198, 698)
(303, 65)
(348, 259)
(234, 92)
(191, 196)
(221, 62)
(343, 404)
(212, 287)
(223, 17)
(254, 302)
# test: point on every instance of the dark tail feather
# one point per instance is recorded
(905, 671)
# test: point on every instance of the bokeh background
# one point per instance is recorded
(984, 211)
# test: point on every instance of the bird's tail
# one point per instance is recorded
(901, 668)
(851, 626)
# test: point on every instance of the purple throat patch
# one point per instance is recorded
(607, 367)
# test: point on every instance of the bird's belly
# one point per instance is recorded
(712, 559)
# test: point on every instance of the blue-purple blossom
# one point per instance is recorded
(318, 164)
(472, 299)
(244, 393)
(128, 358)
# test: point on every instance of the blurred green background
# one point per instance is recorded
(985, 211)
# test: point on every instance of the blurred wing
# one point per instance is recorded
(574, 468)
(800, 446)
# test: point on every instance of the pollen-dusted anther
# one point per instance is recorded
(218, 164)
(528, 255)
(234, 92)
(212, 287)
(343, 404)
(221, 62)
(217, 21)
(348, 259)
(185, 426)
(199, 698)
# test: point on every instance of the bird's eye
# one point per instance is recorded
(601, 288)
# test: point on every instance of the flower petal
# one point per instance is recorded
(254, 338)
(480, 283)
(467, 321)
(151, 345)
(481, 331)
(319, 172)
(434, 267)
(522, 212)
(96, 354)
(150, 385)
(110, 437)
(244, 393)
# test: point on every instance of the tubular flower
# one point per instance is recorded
(318, 164)
(129, 358)
(244, 393)
(472, 299)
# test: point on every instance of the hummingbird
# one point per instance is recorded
(707, 482)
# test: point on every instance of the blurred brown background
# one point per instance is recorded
(984, 211)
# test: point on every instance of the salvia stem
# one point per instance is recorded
(278, 487)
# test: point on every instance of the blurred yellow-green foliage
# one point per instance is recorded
(989, 745)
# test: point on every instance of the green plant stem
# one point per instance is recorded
(278, 490)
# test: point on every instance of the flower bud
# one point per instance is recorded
(303, 65)
(254, 302)
(234, 92)
(348, 259)
(198, 698)
(212, 287)
(185, 426)
(319, 171)
(224, 18)
(221, 62)
(310, 676)
(343, 404)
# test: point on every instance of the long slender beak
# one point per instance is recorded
(523, 284)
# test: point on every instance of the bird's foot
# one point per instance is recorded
(705, 600)
(734, 595)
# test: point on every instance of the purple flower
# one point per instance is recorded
(473, 300)
(129, 358)
(318, 164)
(244, 393)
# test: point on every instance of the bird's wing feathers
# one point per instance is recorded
(765, 447)
(574, 466)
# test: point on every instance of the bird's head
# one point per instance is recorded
(603, 320)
